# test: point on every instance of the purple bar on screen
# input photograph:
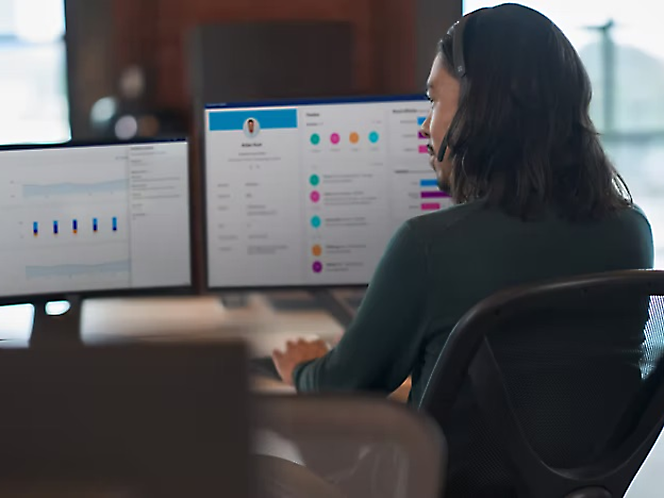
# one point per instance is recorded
(434, 194)
(421, 135)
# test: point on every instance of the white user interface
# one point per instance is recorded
(309, 193)
(94, 218)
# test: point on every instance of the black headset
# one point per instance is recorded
(459, 63)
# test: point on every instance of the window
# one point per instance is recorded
(33, 87)
(623, 50)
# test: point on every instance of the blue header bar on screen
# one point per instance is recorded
(266, 118)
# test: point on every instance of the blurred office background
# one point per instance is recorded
(89, 69)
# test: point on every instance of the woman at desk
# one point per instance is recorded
(511, 140)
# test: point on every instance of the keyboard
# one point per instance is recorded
(264, 367)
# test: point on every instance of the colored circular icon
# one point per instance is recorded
(316, 222)
(335, 138)
(315, 139)
(354, 138)
(317, 250)
(317, 267)
(314, 180)
(374, 137)
(315, 196)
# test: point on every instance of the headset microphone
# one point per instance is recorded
(443, 147)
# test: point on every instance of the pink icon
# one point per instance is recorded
(317, 267)
(335, 138)
(315, 196)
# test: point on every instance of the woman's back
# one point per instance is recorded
(474, 251)
(568, 405)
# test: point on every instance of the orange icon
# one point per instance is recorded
(354, 138)
(316, 250)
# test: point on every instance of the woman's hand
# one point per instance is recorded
(296, 353)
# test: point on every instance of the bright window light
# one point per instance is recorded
(33, 91)
(39, 21)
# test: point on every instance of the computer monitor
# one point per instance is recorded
(104, 219)
(308, 193)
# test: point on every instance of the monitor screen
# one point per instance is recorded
(86, 219)
(309, 193)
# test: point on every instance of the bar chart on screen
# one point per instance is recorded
(76, 227)
(94, 218)
(71, 248)
(78, 251)
(67, 226)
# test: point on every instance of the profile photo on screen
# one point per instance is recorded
(251, 128)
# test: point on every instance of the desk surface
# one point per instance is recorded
(190, 319)
(186, 318)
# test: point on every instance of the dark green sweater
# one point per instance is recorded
(439, 265)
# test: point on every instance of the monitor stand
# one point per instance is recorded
(338, 306)
(57, 330)
(234, 300)
(335, 305)
(333, 301)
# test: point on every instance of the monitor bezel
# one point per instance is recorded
(202, 164)
(166, 291)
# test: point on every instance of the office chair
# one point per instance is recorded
(555, 389)
(346, 446)
(280, 478)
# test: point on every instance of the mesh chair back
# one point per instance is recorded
(362, 447)
(554, 389)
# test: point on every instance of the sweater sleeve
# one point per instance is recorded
(379, 349)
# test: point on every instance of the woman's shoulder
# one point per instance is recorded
(478, 215)
(634, 211)
(633, 217)
(447, 218)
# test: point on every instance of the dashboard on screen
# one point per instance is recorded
(94, 218)
(310, 193)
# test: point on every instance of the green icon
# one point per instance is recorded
(314, 180)
(315, 139)
(315, 222)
